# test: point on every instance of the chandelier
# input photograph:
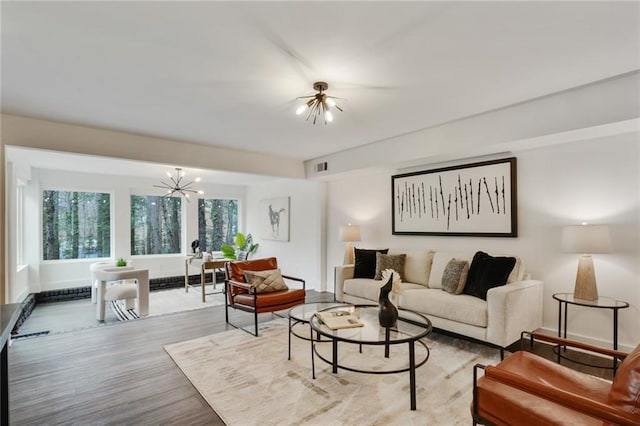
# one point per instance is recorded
(177, 185)
(319, 104)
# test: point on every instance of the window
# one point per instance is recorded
(217, 223)
(19, 223)
(155, 224)
(75, 225)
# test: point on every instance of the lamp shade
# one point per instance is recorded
(349, 233)
(586, 239)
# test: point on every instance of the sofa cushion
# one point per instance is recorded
(461, 308)
(417, 265)
(440, 261)
(625, 390)
(517, 273)
(487, 272)
(454, 276)
(363, 287)
(365, 262)
(265, 281)
(390, 261)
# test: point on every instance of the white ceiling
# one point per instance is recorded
(227, 73)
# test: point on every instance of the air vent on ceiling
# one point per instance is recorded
(321, 167)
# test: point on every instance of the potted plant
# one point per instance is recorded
(121, 262)
(242, 244)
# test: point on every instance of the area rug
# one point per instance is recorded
(169, 301)
(249, 381)
(74, 315)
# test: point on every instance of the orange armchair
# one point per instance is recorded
(245, 296)
(528, 389)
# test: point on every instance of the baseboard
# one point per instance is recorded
(590, 340)
(155, 284)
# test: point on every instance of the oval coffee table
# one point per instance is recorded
(411, 327)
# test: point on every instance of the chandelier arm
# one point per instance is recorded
(164, 186)
(310, 113)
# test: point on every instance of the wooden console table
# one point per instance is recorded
(204, 267)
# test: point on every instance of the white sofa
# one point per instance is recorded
(498, 321)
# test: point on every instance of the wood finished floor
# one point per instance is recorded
(118, 374)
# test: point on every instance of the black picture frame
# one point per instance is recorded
(471, 200)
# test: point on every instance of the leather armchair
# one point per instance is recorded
(243, 296)
(528, 389)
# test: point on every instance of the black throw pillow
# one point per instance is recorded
(365, 262)
(487, 272)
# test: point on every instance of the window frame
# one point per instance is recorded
(42, 189)
(183, 214)
(238, 200)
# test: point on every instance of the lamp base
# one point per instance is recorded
(585, 288)
(348, 254)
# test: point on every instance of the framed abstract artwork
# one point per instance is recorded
(274, 219)
(478, 199)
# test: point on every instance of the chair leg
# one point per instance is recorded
(501, 354)
(226, 309)
(255, 320)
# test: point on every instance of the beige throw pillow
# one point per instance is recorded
(454, 276)
(265, 281)
(390, 261)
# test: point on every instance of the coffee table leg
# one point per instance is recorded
(412, 373)
(313, 361)
(387, 333)
(335, 356)
(289, 358)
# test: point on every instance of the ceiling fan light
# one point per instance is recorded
(328, 115)
(200, 192)
(197, 179)
(168, 174)
(319, 104)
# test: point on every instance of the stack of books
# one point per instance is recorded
(336, 320)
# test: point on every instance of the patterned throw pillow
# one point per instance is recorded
(265, 281)
(454, 276)
(390, 261)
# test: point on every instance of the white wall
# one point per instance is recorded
(596, 180)
(303, 254)
(50, 275)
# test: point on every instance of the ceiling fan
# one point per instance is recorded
(319, 105)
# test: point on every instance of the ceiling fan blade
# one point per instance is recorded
(298, 62)
(356, 86)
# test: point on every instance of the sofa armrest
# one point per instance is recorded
(565, 398)
(342, 273)
(513, 308)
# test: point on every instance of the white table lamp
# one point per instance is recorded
(349, 234)
(586, 239)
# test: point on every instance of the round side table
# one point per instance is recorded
(566, 299)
